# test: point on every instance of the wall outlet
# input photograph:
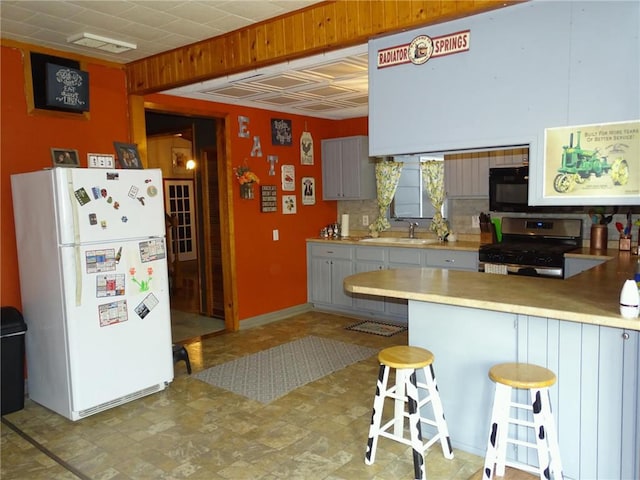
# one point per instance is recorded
(365, 220)
(475, 221)
(276, 235)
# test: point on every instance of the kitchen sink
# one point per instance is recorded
(399, 241)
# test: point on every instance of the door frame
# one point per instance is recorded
(137, 108)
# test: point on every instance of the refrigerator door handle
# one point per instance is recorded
(76, 235)
(74, 206)
(78, 256)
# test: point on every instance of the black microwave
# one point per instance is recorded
(509, 189)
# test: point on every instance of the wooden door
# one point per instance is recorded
(180, 201)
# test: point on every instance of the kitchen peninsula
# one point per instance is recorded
(472, 320)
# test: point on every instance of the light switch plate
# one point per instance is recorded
(101, 160)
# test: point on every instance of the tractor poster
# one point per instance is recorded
(591, 161)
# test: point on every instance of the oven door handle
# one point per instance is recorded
(512, 269)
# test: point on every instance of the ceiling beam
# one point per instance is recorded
(319, 28)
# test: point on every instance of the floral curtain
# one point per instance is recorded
(387, 177)
(433, 178)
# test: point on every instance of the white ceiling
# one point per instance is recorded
(332, 85)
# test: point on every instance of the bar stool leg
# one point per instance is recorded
(552, 436)
(497, 443)
(542, 435)
(438, 412)
(402, 380)
(415, 428)
(546, 438)
(376, 415)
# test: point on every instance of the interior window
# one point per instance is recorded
(411, 200)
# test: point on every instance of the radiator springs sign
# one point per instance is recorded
(423, 47)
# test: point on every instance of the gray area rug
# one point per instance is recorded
(272, 373)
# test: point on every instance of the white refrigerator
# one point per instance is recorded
(93, 278)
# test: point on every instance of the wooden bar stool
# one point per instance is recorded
(408, 361)
(537, 380)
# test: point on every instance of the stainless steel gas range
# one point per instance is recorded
(532, 247)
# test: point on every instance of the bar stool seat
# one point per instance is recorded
(537, 380)
(407, 362)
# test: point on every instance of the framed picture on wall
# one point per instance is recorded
(179, 158)
(308, 191)
(128, 156)
(65, 157)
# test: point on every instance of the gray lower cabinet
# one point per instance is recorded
(327, 266)
(453, 259)
(403, 258)
(595, 401)
(368, 259)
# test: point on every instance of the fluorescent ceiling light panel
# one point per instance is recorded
(101, 43)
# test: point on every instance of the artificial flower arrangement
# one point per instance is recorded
(244, 175)
(246, 179)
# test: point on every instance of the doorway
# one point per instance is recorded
(193, 301)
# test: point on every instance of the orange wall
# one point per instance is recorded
(271, 275)
(26, 140)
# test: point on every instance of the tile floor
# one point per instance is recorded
(193, 430)
(187, 327)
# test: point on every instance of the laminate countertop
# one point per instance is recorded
(590, 297)
(471, 246)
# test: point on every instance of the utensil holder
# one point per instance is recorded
(488, 233)
(599, 236)
(625, 243)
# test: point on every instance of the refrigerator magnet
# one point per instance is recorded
(148, 304)
(82, 196)
(133, 191)
(152, 191)
(93, 219)
(112, 313)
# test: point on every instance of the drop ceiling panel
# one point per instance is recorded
(331, 85)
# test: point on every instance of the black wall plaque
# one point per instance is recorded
(44, 89)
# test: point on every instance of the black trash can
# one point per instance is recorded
(12, 360)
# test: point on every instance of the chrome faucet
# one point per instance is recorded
(412, 229)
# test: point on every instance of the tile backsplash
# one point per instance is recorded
(460, 211)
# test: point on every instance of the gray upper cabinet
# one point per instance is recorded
(347, 171)
(467, 174)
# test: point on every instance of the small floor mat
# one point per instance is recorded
(377, 328)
